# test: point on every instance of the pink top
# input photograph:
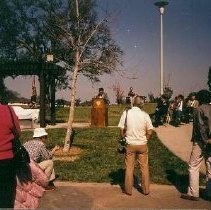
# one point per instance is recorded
(6, 135)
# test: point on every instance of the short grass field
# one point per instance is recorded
(99, 160)
(83, 113)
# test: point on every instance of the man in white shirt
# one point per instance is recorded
(138, 131)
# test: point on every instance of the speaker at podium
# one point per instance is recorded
(99, 113)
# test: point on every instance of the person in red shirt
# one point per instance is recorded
(7, 171)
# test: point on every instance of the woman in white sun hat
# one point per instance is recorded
(40, 154)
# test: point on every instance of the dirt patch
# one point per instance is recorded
(71, 155)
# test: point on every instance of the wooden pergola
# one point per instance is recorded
(40, 69)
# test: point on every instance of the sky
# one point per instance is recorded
(136, 28)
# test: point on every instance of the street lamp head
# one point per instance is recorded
(161, 5)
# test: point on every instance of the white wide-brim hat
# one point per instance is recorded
(39, 132)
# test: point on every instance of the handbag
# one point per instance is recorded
(122, 142)
(21, 156)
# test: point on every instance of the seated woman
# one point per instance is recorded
(38, 151)
(31, 183)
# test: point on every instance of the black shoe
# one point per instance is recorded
(56, 177)
(189, 197)
(50, 186)
(207, 198)
(155, 125)
(51, 183)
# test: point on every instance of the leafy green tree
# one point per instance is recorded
(7, 95)
(119, 93)
(94, 52)
(24, 33)
(69, 29)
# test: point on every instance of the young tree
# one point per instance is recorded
(119, 93)
(94, 51)
(70, 30)
(86, 44)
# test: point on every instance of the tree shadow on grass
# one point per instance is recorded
(180, 181)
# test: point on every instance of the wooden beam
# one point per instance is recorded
(53, 97)
(42, 97)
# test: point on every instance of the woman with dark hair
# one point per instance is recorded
(161, 111)
(201, 138)
(7, 171)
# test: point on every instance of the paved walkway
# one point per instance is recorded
(178, 140)
(106, 196)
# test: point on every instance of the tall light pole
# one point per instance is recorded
(161, 5)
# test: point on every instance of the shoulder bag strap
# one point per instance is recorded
(16, 141)
(125, 124)
(13, 122)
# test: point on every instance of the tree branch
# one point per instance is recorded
(91, 35)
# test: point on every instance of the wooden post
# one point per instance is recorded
(42, 97)
(53, 91)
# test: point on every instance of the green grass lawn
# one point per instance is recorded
(100, 162)
(83, 113)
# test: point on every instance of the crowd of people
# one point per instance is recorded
(175, 112)
(135, 126)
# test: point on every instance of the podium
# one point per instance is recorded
(99, 113)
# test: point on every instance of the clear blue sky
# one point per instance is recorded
(136, 28)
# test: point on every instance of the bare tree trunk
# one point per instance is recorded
(78, 55)
(68, 137)
(67, 141)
